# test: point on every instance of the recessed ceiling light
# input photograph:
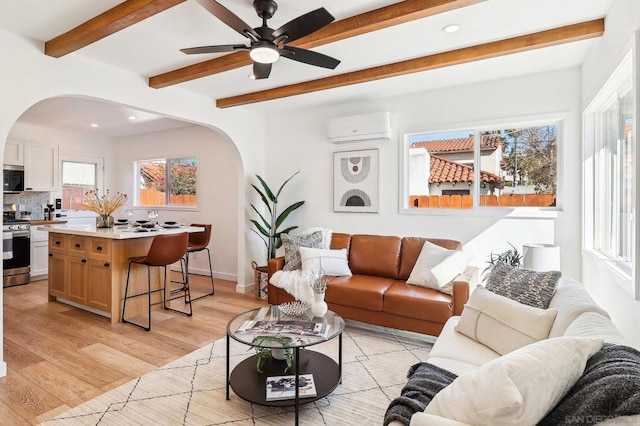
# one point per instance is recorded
(452, 28)
(132, 117)
(94, 124)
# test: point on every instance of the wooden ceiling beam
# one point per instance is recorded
(388, 16)
(553, 37)
(113, 20)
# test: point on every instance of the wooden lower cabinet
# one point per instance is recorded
(79, 272)
(57, 275)
(99, 285)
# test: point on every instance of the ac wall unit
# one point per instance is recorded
(360, 127)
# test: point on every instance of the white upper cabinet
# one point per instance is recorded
(40, 167)
(14, 152)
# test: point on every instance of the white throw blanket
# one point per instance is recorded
(295, 283)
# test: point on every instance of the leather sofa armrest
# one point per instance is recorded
(273, 265)
(462, 286)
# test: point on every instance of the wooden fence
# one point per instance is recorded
(153, 197)
(466, 201)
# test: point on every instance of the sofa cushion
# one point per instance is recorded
(326, 236)
(327, 262)
(503, 324)
(571, 300)
(518, 388)
(437, 267)
(417, 302)
(592, 324)
(411, 248)
(375, 255)
(455, 346)
(529, 287)
(360, 291)
(340, 241)
(292, 244)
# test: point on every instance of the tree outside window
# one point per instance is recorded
(168, 182)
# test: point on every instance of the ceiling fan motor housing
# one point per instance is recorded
(265, 8)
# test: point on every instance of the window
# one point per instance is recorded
(78, 177)
(609, 135)
(167, 182)
(517, 166)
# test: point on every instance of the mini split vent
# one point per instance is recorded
(360, 127)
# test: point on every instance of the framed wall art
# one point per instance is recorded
(355, 181)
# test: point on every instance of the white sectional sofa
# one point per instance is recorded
(577, 316)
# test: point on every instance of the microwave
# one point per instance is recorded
(12, 178)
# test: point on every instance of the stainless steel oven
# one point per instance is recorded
(16, 252)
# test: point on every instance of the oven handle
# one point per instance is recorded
(15, 234)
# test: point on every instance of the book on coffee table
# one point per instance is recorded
(286, 328)
(283, 387)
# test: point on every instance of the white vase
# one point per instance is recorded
(319, 306)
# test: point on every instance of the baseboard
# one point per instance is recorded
(3, 369)
(205, 272)
(244, 288)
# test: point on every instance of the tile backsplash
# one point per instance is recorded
(33, 202)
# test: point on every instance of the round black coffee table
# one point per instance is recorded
(250, 385)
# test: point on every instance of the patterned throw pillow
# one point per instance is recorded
(292, 244)
(529, 287)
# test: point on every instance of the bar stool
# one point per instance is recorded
(165, 250)
(198, 241)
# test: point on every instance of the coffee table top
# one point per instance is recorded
(271, 321)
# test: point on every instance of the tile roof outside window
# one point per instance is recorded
(488, 142)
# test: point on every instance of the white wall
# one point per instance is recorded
(606, 286)
(28, 76)
(298, 140)
(218, 176)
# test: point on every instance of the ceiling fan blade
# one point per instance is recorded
(229, 18)
(302, 26)
(309, 57)
(214, 49)
(261, 71)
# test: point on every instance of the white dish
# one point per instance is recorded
(173, 225)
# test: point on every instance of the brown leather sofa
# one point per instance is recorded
(377, 292)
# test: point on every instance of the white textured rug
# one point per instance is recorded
(191, 390)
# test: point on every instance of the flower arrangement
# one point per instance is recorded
(105, 205)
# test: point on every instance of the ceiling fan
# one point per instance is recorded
(266, 44)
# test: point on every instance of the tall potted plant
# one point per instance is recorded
(268, 225)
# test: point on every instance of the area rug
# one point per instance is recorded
(191, 390)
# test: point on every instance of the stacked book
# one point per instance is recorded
(290, 328)
(284, 387)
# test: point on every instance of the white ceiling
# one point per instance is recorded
(152, 47)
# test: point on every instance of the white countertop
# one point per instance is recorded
(115, 233)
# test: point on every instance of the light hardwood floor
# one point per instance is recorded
(59, 357)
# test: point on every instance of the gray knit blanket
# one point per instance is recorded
(609, 388)
(425, 381)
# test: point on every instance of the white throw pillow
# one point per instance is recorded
(332, 262)
(503, 324)
(519, 388)
(436, 267)
(326, 236)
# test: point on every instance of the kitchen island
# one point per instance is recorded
(88, 267)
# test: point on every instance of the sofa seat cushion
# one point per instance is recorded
(458, 347)
(359, 291)
(417, 302)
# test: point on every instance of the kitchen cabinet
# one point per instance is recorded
(39, 254)
(14, 152)
(40, 167)
(80, 270)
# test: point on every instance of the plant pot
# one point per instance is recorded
(260, 280)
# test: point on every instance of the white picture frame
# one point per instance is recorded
(355, 181)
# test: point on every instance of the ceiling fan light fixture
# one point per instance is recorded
(264, 53)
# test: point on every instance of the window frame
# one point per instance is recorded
(137, 184)
(623, 79)
(87, 159)
(555, 118)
